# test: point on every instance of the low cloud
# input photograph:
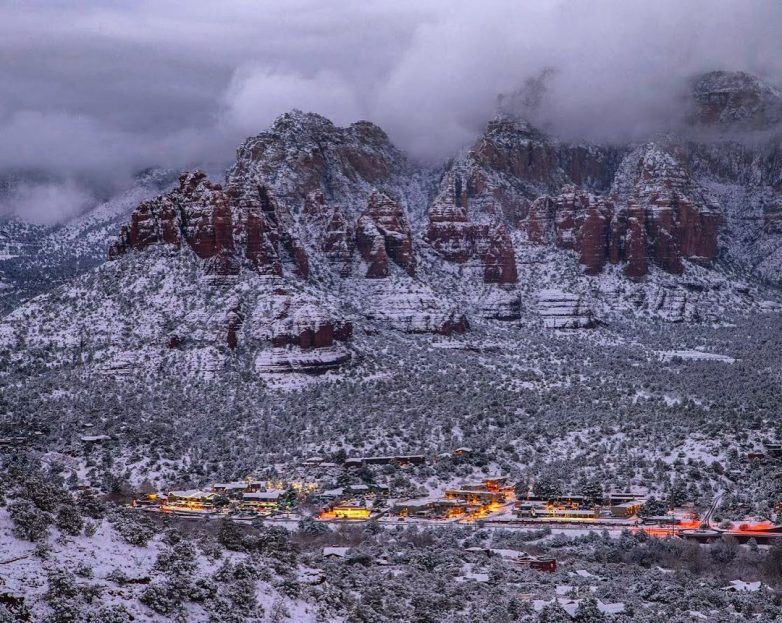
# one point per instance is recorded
(257, 95)
(98, 90)
(46, 203)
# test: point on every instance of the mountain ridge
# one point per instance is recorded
(321, 234)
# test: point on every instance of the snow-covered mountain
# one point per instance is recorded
(36, 258)
(320, 233)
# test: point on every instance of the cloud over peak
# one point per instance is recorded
(102, 89)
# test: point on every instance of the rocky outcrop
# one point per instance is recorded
(412, 307)
(564, 310)
(654, 213)
(383, 233)
(285, 318)
(329, 233)
(455, 238)
(519, 151)
(513, 163)
(244, 227)
(197, 212)
(268, 233)
(279, 360)
(499, 302)
(286, 328)
(303, 153)
(735, 99)
(676, 216)
(580, 221)
(226, 228)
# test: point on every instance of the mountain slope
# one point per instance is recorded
(37, 258)
(319, 233)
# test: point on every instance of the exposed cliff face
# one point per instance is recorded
(680, 221)
(457, 239)
(243, 226)
(338, 215)
(744, 175)
(287, 318)
(735, 99)
(564, 310)
(234, 230)
(504, 183)
(304, 153)
(331, 234)
(227, 228)
(654, 213)
(319, 229)
(579, 221)
(383, 233)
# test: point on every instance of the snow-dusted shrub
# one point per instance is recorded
(163, 598)
(68, 600)
(110, 614)
(231, 536)
(310, 527)
(90, 506)
(117, 576)
(588, 612)
(69, 520)
(44, 494)
(90, 528)
(554, 613)
(724, 551)
(30, 522)
(132, 527)
(177, 560)
(84, 570)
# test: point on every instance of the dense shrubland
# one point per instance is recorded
(228, 573)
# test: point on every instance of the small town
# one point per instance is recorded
(489, 501)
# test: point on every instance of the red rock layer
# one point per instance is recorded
(317, 336)
(222, 227)
(517, 149)
(456, 239)
(664, 220)
(592, 226)
(298, 323)
(383, 233)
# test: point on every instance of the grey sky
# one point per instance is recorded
(97, 89)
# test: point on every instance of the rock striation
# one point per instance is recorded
(654, 214)
(564, 310)
(456, 238)
(735, 99)
(383, 235)
(227, 228)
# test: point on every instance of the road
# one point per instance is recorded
(714, 504)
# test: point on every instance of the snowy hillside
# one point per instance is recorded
(36, 258)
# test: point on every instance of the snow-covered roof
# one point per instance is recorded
(195, 494)
(339, 552)
(274, 494)
(95, 438)
(425, 501)
(353, 504)
(740, 585)
(230, 485)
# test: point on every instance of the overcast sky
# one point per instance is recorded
(98, 89)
